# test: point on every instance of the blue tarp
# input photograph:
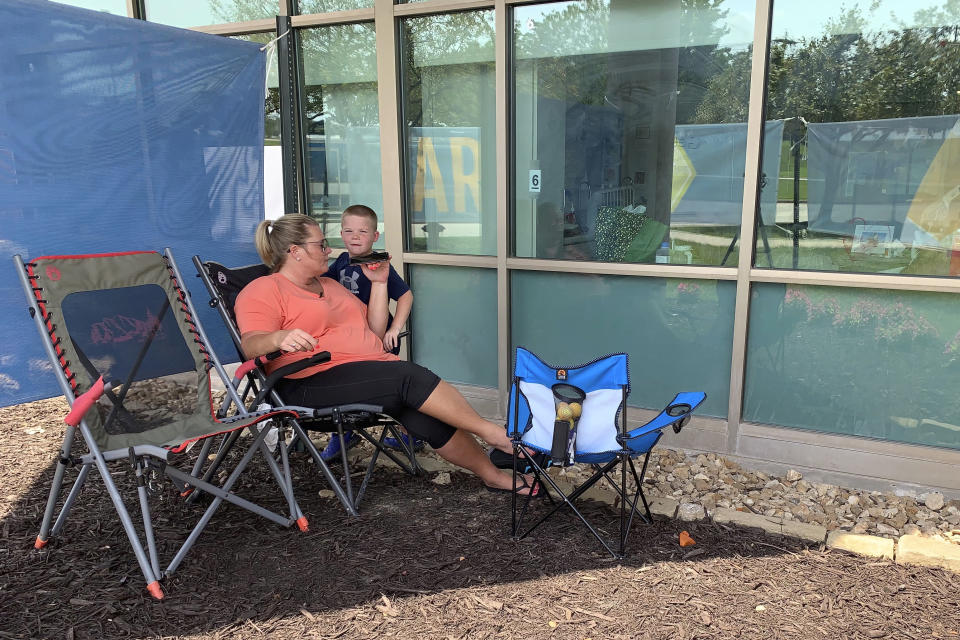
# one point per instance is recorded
(116, 135)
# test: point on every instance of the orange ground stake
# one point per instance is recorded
(686, 540)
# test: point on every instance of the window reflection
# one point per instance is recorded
(630, 128)
(449, 112)
(193, 13)
(324, 6)
(854, 361)
(341, 123)
(870, 96)
(573, 318)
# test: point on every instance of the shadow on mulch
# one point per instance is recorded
(426, 561)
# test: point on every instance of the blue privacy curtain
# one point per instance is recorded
(119, 135)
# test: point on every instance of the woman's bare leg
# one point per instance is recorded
(447, 405)
(464, 451)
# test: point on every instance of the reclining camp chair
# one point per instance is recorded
(224, 285)
(577, 415)
(132, 360)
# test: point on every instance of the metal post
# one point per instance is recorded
(796, 201)
(287, 54)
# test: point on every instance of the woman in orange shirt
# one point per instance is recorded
(297, 311)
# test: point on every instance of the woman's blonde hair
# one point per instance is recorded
(274, 237)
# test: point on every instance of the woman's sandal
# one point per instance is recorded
(524, 484)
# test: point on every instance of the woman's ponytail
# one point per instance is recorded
(274, 237)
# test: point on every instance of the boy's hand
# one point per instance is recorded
(391, 339)
(376, 271)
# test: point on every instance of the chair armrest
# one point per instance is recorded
(675, 414)
(83, 403)
(286, 370)
(326, 412)
(255, 363)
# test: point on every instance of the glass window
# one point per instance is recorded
(113, 7)
(454, 322)
(630, 130)
(677, 333)
(449, 105)
(869, 93)
(341, 123)
(882, 364)
(272, 151)
(195, 13)
(326, 6)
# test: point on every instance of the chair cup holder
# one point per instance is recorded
(568, 406)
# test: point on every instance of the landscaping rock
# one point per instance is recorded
(861, 544)
(928, 552)
(689, 511)
(934, 501)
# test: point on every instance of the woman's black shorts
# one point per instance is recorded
(399, 387)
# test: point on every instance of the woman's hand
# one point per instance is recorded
(377, 271)
(295, 340)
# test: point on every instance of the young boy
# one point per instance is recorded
(358, 228)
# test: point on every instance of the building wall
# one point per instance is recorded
(529, 161)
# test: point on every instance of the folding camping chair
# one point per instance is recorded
(132, 360)
(224, 284)
(578, 415)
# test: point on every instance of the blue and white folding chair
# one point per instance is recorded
(578, 415)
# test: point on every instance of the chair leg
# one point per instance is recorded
(332, 481)
(623, 504)
(568, 501)
(287, 480)
(202, 456)
(55, 486)
(282, 478)
(153, 586)
(221, 494)
(147, 521)
(410, 465)
(626, 516)
(408, 449)
(517, 519)
(347, 480)
(225, 446)
(71, 498)
(377, 449)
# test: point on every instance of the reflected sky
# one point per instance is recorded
(812, 18)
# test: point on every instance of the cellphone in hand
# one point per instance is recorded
(376, 256)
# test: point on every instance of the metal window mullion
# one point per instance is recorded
(388, 97)
(265, 25)
(883, 282)
(441, 6)
(623, 269)
(755, 122)
(503, 36)
(334, 18)
(294, 198)
(450, 260)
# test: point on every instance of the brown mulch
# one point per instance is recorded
(426, 561)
